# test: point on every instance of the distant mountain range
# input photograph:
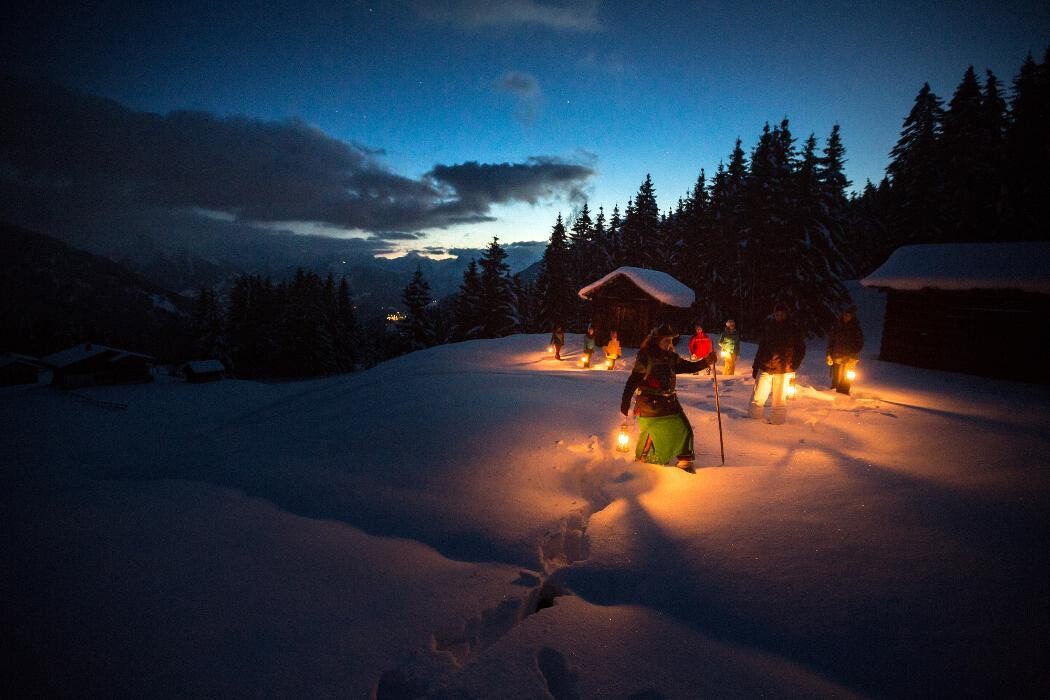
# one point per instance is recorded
(140, 294)
(53, 296)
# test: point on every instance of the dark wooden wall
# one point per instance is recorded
(993, 333)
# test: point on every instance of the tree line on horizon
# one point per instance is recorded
(775, 224)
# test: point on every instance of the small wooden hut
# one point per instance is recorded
(633, 300)
(199, 371)
(975, 308)
(89, 364)
(18, 369)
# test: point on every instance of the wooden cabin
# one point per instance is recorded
(976, 308)
(89, 364)
(198, 371)
(633, 300)
(18, 369)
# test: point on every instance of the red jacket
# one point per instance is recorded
(700, 345)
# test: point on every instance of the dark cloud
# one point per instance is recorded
(97, 158)
(475, 186)
(526, 90)
(522, 85)
(472, 15)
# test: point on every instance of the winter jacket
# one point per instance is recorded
(845, 341)
(557, 339)
(588, 344)
(700, 345)
(729, 341)
(780, 349)
(653, 377)
(613, 348)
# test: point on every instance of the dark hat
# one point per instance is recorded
(664, 330)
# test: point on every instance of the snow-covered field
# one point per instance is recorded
(456, 522)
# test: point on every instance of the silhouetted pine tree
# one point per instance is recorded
(603, 262)
(964, 165)
(554, 286)
(206, 327)
(498, 305)
(614, 238)
(914, 173)
(466, 313)
(345, 334)
(418, 328)
(641, 224)
(251, 326)
(581, 247)
(1028, 152)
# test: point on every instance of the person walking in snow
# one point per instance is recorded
(589, 344)
(780, 352)
(664, 432)
(845, 341)
(612, 350)
(699, 344)
(729, 344)
(557, 341)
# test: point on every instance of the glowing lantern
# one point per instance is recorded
(851, 374)
(725, 354)
(623, 439)
(791, 389)
(609, 362)
(550, 348)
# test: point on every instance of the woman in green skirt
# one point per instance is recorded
(664, 433)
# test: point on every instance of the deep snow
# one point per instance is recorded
(456, 521)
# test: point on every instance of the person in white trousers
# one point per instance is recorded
(780, 352)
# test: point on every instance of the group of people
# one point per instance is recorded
(664, 432)
(611, 349)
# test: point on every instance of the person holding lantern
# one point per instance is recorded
(612, 350)
(557, 341)
(845, 341)
(729, 343)
(588, 347)
(664, 432)
(780, 352)
(699, 344)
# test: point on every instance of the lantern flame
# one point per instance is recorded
(623, 439)
(851, 374)
(550, 348)
(791, 389)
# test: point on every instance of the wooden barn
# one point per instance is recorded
(633, 300)
(18, 369)
(977, 308)
(198, 371)
(89, 364)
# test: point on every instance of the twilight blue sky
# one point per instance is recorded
(551, 100)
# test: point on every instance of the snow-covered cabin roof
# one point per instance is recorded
(205, 366)
(960, 266)
(10, 358)
(659, 285)
(84, 351)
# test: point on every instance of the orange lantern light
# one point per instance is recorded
(623, 440)
(851, 374)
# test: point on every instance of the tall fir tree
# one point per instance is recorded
(418, 327)
(554, 286)
(914, 173)
(963, 164)
(641, 227)
(498, 304)
(206, 326)
(467, 322)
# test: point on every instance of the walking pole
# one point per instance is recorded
(718, 412)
